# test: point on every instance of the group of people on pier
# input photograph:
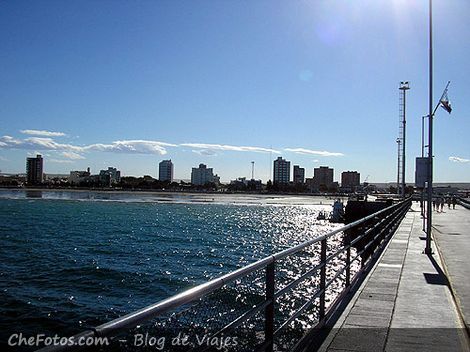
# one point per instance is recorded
(438, 203)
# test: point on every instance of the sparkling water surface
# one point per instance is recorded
(69, 260)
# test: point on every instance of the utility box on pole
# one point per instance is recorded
(421, 172)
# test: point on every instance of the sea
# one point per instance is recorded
(75, 259)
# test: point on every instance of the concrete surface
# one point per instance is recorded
(451, 232)
(405, 303)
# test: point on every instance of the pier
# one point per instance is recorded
(411, 301)
(367, 286)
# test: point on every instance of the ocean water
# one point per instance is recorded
(69, 260)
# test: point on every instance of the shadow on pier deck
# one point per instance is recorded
(407, 301)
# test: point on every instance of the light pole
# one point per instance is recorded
(428, 249)
(398, 165)
(404, 86)
(423, 146)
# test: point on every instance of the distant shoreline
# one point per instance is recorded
(162, 193)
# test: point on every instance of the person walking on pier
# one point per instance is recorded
(434, 203)
(453, 202)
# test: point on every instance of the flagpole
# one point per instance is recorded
(428, 249)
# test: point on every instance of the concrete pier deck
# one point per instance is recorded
(406, 302)
(451, 232)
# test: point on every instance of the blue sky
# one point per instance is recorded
(129, 83)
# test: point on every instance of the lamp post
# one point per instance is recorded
(428, 249)
(423, 146)
(404, 86)
(398, 165)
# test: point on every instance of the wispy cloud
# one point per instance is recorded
(72, 156)
(132, 147)
(48, 144)
(75, 152)
(204, 152)
(60, 161)
(233, 148)
(43, 133)
(42, 143)
(456, 159)
(312, 152)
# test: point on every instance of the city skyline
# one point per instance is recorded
(225, 84)
(165, 170)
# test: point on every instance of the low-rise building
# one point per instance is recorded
(242, 184)
(322, 178)
(110, 176)
(77, 177)
(350, 181)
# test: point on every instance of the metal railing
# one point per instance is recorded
(464, 202)
(273, 300)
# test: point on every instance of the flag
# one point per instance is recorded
(445, 103)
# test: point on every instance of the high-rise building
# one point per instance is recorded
(34, 170)
(350, 180)
(281, 171)
(299, 174)
(202, 175)
(165, 171)
(322, 176)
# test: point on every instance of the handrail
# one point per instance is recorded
(463, 202)
(135, 318)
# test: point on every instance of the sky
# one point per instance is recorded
(130, 83)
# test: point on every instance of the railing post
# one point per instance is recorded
(322, 279)
(269, 311)
(347, 243)
(362, 230)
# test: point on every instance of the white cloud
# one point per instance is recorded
(43, 143)
(205, 152)
(229, 148)
(7, 141)
(60, 161)
(312, 152)
(456, 159)
(43, 133)
(72, 155)
(48, 144)
(132, 146)
(75, 152)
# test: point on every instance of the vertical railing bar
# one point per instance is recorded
(347, 243)
(269, 311)
(322, 279)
